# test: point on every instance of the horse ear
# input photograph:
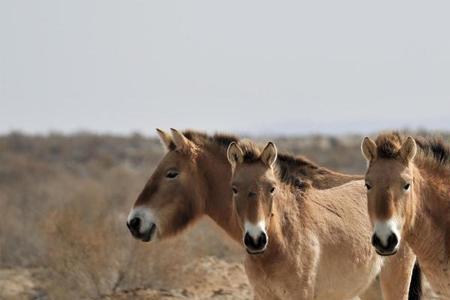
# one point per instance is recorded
(165, 139)
(408, 149)
(180, 141)
(234, 154)
(269, 154)
(369, 149)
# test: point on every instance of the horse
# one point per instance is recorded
(302, 242)
(188, 183)
(192, 180)
(409, 201)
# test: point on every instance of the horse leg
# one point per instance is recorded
(395, 276)
(373, 292)
(308, 262)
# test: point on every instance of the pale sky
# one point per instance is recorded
(261, 67)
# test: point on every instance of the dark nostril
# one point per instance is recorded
(262, 241)
(375, 240)
(248, 241)
(392, 241)
(134, 224)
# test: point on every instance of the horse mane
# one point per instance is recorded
(202, 139)
(432, 150)
(289, 169)
(435, 149)
(389, 144)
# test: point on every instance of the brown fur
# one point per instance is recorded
(318, 239)
(297, 170)
(202, 188)
(424, 211)
(201, 160)
(432, 151)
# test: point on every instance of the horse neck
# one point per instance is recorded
(429, 235)
(218, 198)
(331, 179)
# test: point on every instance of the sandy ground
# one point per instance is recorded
(208, 278)
(20, 284)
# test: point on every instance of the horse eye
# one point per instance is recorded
(172, 174)
(235, 191)
(368, 186)
(407, 186)
(272, 190)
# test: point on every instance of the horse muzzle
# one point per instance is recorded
(143, 233)
(388, 248)
(256, 245)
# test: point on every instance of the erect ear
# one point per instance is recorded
(166, 139)
(369, 149)
(408, 149)
(180, 141)
(234, 154)
(269, 154)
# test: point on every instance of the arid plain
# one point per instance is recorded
(64, 200)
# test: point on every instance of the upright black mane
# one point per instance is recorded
(389, 144)
(200, 138)
(435, 148)
(431, 148)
